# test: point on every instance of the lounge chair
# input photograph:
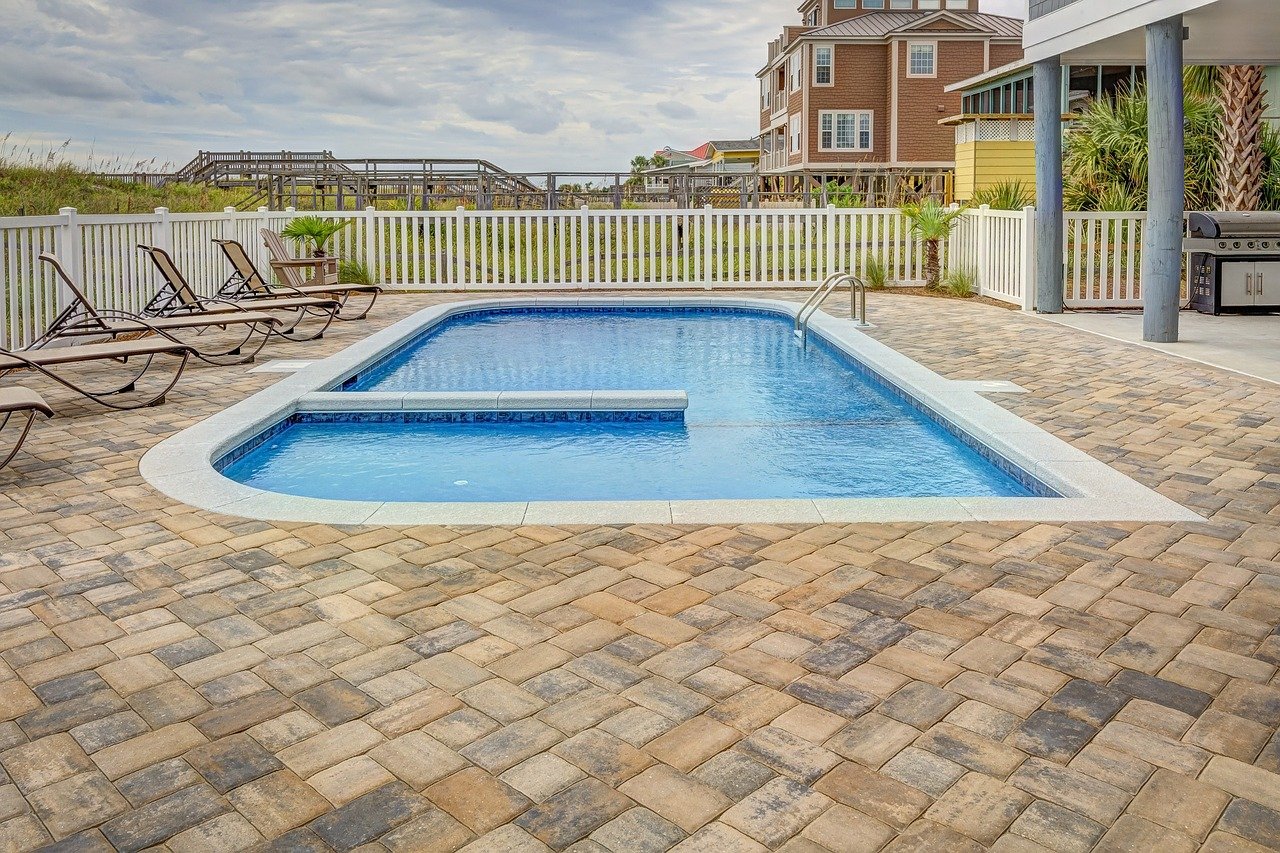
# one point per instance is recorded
(19, 401)
(324, 277)
(82, 319)
(48, 362)
(177, 298)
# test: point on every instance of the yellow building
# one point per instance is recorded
(991, 150)
(733, 155)
(995, 136)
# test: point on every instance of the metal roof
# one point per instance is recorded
(1013, 69)
(735, 145)
(881, 24)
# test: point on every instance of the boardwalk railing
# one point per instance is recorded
(565, 250)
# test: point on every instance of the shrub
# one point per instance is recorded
(354, 272)
(876, 273)
(842, 195)
(1006, 195)
(962, 282)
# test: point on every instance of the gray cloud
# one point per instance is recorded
(676, 110)
(528, 84)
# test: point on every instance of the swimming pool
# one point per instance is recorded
(766, 419)
(189, 466)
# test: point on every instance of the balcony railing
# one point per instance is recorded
(773, 160)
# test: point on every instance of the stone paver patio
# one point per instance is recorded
(179, 680)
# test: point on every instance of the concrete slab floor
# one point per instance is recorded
(1245, 344)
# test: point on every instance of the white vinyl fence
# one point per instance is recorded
(569, 250)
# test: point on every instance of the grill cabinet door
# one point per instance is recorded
(1238, 284)
(1266, 283)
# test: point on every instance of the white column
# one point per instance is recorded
(1162, 237)
(1050, 265)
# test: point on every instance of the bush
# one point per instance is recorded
(876, 273)
(961, 282)
(842, 195)
(354, 272)
(1007, 195)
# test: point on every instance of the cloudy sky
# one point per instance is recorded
(528, 84)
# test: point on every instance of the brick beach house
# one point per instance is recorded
(856, 90)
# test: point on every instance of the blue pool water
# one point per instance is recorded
(766, 419)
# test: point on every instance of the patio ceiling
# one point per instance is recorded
(1222, 32)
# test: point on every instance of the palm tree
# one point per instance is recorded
(1241, 161)
(932, 223)
(1105, 162)
(312, 233)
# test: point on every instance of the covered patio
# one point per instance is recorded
(1244, 344)
(1165, 35)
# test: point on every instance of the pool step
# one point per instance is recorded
(494, 401)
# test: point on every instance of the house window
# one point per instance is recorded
(845, 131)
(851, 4)
(930, 4)
(902, 4)
(958, 4)
(866, 4)
(922, 59)
(823, 62)
(764, 95)
(794, 68)
(795, 134)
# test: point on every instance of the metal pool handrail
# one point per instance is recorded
(857, 303)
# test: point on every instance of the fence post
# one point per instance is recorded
(830, 263)
(463, 275)
(984, 247)
(68, 246)
(584, 246)
(1028, 259)
(256, 245)
(164, 229)
(707, 249)
(372, 258)
(229, 224)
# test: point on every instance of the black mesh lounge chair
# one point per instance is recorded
(82, 319)
(177, 298)
(22, 403)
(51, 361)
(246, 281)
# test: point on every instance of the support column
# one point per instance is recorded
(1050, 265)
(1162, 237)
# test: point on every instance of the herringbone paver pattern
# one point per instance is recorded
(184, 681)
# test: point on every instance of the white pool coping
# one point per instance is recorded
(182, 466)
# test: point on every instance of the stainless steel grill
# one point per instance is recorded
(1235, 262)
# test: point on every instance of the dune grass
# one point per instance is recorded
(39, 182)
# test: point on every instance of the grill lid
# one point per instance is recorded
(1215, 225)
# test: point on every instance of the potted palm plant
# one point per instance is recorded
(932, 223)
(313, 233)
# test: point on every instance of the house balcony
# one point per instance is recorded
(772, 161)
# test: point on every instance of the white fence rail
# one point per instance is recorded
(570, 250)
